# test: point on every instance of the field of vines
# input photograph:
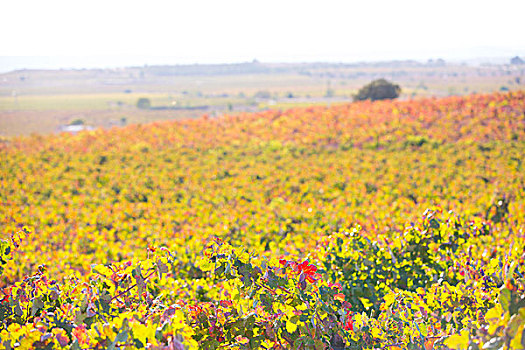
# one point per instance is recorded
(386, 225)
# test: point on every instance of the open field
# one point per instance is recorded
(48, 122)
(386, 225)
(48, 99)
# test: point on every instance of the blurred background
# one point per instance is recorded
(68, 66)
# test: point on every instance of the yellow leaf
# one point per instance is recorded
(302, 307)
(289, 311)
(423, 329)
(516, 342)
(376, 332)
(205, 264)
(458, 341)
(495, 313)
(366, 303)
(359, 321)
(142, 333)
(290, 327)
(389, 299)
(103, 270)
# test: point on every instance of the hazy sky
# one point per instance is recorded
(114, 32)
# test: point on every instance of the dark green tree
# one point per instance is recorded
(144, 103)
(380, 89)
(77, 122)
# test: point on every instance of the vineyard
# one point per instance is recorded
(386, 225)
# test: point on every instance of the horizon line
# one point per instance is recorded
(156, 61)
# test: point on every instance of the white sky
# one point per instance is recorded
(214, 31)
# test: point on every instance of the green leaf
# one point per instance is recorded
(120, 338)
(513, 325)
(219, 270)
(37, 305)
(75, 345)
(434, 224)
(7, 344)
(504, 299)
(138, 344)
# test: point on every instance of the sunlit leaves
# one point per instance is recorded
(458, 341)
(394, 225)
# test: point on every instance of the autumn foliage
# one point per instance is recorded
(387, 224)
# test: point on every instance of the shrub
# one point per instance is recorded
(263, 94)
(380, 89)
(77, 122)
(144, 103)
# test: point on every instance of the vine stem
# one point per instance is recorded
(131, 287)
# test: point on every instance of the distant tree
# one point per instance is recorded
(144, 103)
(263, 94)
(440, 62)
(380, 89)
(77, 122)
(516, 60)
(329, 91)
